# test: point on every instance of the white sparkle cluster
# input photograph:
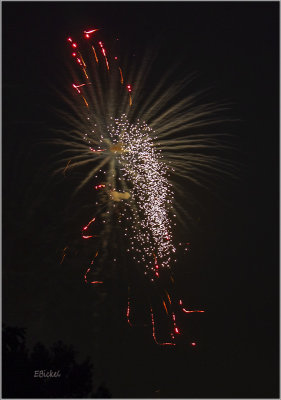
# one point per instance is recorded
(151, 194)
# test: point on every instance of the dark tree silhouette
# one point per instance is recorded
(74, 379)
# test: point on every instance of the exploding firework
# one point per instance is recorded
(137, 147)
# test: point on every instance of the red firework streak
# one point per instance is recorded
(88, 34)
(176, 329)
(153, 333)
(96, 151)
(86, 228)
(88, 270)
(189, 311)
(104, 54)
(129, 88)
(156, 266)
(99, 187)
(128, 312)
(76, 87)
(76, 54)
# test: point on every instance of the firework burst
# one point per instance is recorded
(136, 148)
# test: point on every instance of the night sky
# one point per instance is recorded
(232, 268)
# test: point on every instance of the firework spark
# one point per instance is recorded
(151, 194)
(141, 146)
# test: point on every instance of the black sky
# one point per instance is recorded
(232, 269)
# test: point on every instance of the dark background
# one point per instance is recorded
(232, 269)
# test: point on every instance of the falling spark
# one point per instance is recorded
(86, 228)
(95, 151)
(83, 62)
(164, 304)
(128, 312)
(85, 101)
(64, 254)
(169, 298)
(189, 311)
(97, 60)
(104, 54)
(85, 72)
(89, 269)
(153, 332)
(99, 186)
(91, 31)
(121, 76)
(85, 276)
